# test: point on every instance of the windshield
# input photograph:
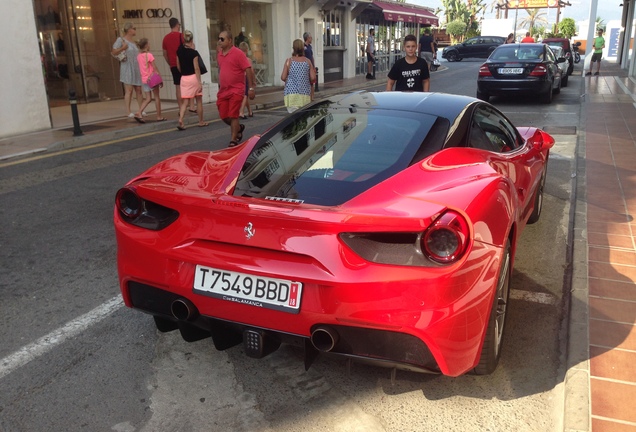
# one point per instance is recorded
(327, 155)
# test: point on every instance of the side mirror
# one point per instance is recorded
(541, 140)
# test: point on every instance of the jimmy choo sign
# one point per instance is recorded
(150, 13)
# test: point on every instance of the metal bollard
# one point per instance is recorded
(316, 85)
(76, 124)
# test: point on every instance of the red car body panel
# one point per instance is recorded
(446, 307)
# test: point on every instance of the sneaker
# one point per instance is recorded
(595, 73)
(144, 114)
(131, 115)
(588, 74)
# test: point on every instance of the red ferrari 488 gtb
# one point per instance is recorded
(376, 226)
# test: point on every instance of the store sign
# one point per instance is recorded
(150, 13)
(532, 4)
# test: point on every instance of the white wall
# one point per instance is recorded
(24, 106)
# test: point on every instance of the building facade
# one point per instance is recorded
(64, 45)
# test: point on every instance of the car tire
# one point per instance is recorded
(491, 349)
(546, 97)
(538, 200)
(483, 96)
(451, 56)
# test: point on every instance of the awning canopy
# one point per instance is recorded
(407, 13)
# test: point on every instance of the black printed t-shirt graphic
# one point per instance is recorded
(409, 77)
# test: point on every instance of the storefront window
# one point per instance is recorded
(333, 29)
(75, 38)
(247, 21)
(389, 37)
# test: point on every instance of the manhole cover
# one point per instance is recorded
(560, 130)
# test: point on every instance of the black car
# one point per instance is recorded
(480, 47)
(529, 68)
(564, 44)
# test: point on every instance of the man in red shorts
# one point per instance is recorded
(233, 67)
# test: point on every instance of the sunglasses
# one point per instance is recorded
(222, 39)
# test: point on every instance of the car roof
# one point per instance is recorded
(437, 104)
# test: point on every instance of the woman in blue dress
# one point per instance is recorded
(298, 74)
(129, 73)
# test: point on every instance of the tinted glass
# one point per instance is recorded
(492, 132)
(327, 155)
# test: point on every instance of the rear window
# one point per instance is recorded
(327, 155)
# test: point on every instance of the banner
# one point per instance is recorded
(532, 4)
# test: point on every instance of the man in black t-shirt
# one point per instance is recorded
(411, 72)
(426, 48)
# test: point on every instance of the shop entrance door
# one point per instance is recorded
(75, 39)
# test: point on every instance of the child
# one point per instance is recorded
(147, 66)
(246, 102)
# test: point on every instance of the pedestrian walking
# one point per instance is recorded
(171, 42)
(426, 47)
(128, 68)
(191, 86)
(147, 67)
(309, 53)
(234, 66)
(243, 46)
(410, 73)
(298, 74)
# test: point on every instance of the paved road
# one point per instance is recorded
(72, 358)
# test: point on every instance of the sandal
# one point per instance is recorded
(251, 114)
(160, 119)
(139, 119)
(204, 124)
(180, 126)
(192, 110)
(240, 134)
(233, 143)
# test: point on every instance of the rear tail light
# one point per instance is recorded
(539, 70)
(143, 213)
(446, 240)
(484, 71)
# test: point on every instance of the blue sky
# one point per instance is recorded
(607, 9)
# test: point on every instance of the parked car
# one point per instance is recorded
(564, 44)
(480, 47)
(563, 65)
(374, 226)
(527, 68)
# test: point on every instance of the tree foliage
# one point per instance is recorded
(457, 29)
(534, 18)
(567, 27)
(465, 11)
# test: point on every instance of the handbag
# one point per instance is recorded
(121, 57)
(154, 79)
(202, 67)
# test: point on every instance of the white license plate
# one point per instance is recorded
(510, 71)
(258, 291)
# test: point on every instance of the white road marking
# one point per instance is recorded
(46, 343)
(534, 297)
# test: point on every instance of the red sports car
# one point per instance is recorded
(377, 226)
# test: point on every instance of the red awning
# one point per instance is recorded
(407, 13)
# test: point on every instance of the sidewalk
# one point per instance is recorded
(600, 384)
(600, 375)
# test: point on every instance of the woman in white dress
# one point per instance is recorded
(129, 73)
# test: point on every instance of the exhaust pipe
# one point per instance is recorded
(324, 339)
(183, 310)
